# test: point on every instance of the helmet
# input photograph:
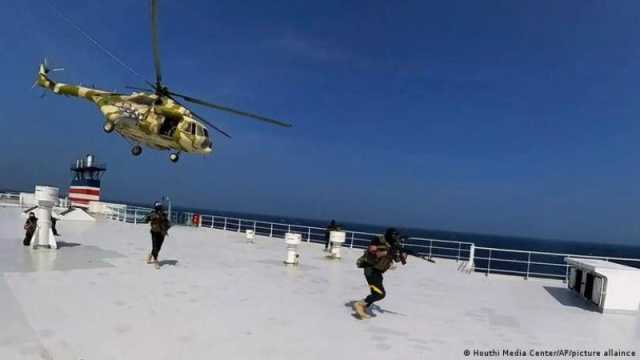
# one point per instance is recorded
(390, 233)
(157, 205)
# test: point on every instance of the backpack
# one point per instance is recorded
(160, 223)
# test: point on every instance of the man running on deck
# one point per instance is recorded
(378, 258)
(160, 225)
(29, 227)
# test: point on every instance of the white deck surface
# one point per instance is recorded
(217, 297)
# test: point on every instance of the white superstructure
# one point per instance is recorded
(609, 286)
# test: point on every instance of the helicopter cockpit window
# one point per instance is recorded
(199, 130)
(206, 133)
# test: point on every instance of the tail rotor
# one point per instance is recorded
(45, 69)
(43, 80)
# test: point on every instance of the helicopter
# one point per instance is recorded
(151, 117)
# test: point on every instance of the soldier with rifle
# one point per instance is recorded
(160, 225)
(380, 255)
(30, 227)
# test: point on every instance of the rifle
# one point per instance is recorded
(400, 250)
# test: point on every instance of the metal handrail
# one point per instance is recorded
(14, 199)
(558, 254)
(493, 263)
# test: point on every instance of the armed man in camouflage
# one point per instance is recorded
(160, 225)
(378, 258)
(29, 227)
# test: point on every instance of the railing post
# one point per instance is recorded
(459, 251)
(351, 246)
(289, 228)
(225, 224)
(254, 227)
(472, 254)
(489, 264)
(528, 266)
(239, 224)
(213, 221)
(271, 231)
(309, 234)
(135, 216)
(566, 276)
(430, 247)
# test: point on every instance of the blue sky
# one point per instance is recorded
(486, 116)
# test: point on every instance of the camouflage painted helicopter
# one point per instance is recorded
(152, 117)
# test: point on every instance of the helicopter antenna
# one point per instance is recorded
(154, 41)
(93, 40)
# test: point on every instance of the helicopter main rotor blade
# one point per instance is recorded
(154, 41)
(230, 110)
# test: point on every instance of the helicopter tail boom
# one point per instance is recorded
(66, 89)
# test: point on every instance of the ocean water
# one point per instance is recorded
(481, 240)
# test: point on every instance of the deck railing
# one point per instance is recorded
(456, 250)
(14, 199)
(486, 260)
(10, 198)
(533, 263)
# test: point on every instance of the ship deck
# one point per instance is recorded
(217, 296)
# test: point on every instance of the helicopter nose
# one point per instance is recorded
(207, 145)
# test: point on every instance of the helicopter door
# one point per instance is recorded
(169, 125)
(187, 141)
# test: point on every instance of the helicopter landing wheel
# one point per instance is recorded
(108, 127)
(136, 150)
(174, 157)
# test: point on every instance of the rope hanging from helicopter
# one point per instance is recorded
(94, 41)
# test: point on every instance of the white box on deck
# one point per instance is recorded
(611, 286)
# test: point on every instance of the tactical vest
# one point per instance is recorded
(159, 223)
(381, 264)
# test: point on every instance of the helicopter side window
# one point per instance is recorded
(199, 130)
(191, 129)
